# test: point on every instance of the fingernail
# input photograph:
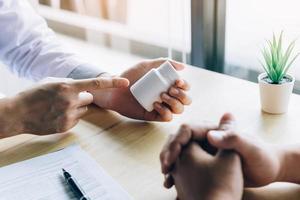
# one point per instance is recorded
(217, 135)
(174, 91)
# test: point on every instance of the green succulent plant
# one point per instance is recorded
(277, 61)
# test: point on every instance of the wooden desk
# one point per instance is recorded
(129, 150)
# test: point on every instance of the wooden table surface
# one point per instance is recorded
(129, 150)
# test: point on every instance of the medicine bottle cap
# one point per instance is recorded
(168, 72)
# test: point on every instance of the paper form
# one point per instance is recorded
(41, 178)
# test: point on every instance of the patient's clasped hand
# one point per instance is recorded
(204, 162)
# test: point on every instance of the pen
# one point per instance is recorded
(78, 192)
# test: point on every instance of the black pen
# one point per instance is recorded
(78, 192)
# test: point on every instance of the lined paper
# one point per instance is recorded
(41, 178)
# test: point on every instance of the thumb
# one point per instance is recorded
(230, 140)
(219, 138)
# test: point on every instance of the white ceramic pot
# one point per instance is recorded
(275, 97)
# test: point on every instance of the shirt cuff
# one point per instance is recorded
(85, 71)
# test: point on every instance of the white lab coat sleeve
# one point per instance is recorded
(30, 49)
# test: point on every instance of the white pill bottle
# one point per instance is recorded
(148, 89)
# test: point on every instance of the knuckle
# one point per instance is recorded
(63, 87)
(66, 103)
(173, 145)
(98, 83)
(115, 82)
(173, 102)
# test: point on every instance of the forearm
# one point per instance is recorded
(10, 124)
(274, 192)
(290, 161)
(221, 196)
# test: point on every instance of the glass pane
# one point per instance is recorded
(250, 23)
(113, 34)
(151, 26)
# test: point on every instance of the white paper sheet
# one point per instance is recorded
(41, 178)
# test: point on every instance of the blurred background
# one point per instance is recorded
(219, 35)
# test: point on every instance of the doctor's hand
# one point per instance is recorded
(52, 107)
(122, 101)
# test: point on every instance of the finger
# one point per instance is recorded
(81, 111)
(165, 150)
(165, 113)
(99, 83)
(182, 84)
(225, 137)
(176, 143)
(174, 147)
(180, 95)
(85, 98)
(191, 151)
(231, 140)
(184, 135)
(169, 181)
(54, 80)
(175, 105)
(227, 122)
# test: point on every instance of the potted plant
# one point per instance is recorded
(276, 85)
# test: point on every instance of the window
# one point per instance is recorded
(151, 28)
(227, 36)
(249, 24)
